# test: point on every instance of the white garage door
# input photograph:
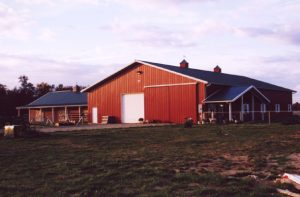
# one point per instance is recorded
(132, 107)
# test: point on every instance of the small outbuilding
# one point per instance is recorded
(57, 107)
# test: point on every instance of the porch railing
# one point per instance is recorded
(238, 116)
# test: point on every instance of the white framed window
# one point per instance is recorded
(277, 107)
(290, 108)
(263, 108)
(246, 108)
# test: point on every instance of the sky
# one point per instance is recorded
(83, 41)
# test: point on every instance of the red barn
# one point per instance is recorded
(165, 93)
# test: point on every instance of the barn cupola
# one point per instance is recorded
(184, 64)
(217, 69)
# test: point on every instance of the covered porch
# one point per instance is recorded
(236, 104)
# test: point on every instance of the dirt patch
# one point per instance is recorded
(227, 165)
(294, 161)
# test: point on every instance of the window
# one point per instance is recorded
(246, 108)
(277, 107)
(289, 108)
(263, 108)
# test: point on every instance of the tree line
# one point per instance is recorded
(24, 94)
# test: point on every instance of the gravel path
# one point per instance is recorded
(95, 127)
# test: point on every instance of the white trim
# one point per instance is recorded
(250, 87)
(253, 108)
(213, 95)
(144, 63)
(54, 106)
(187, 76)
(225, 101)
(230, 112)
(165, 85)
(237, 97)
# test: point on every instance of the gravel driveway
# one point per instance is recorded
(95, 127)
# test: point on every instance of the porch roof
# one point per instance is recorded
(59, 98)
(231, 94)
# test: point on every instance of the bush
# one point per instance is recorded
(141, 119)
(188, 123)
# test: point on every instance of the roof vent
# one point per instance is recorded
(184, 64)
(217, 69)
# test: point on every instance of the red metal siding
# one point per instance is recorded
(107, 97)
(171, 103)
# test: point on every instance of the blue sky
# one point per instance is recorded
(83, 41)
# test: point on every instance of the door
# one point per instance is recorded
(132, 107)
(95, 115)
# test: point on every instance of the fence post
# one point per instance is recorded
(269, 117)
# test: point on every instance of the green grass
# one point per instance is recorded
(163, 161)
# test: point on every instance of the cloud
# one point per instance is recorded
(52, 71)
(47, 35)
(149, 35)
(14, 24)
(289, 33)
(59, 2)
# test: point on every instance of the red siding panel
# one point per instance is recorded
(171, 103)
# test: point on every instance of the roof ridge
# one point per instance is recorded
(223, 74)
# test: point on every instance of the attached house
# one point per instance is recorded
(166, 93)
(57, 107)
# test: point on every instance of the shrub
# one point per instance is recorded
(141, 119)
(188, 123)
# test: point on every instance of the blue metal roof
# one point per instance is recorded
(230, 94)
(220, 78)
(60, 98)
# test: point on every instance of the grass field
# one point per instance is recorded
(163, 161)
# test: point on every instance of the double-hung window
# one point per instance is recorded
(246, 108)
(277, 108)
(263, 108)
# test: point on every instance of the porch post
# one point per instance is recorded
(29, 115)
(242, 109)
(19, 112)
(262, 112)
(53, 114)
(66, 113)
(253, 108)
(79, 112)
(230, 112)
(41, 118)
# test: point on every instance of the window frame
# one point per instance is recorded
(290, 108)
(263, 108)
(246, 108)
(277, 108)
